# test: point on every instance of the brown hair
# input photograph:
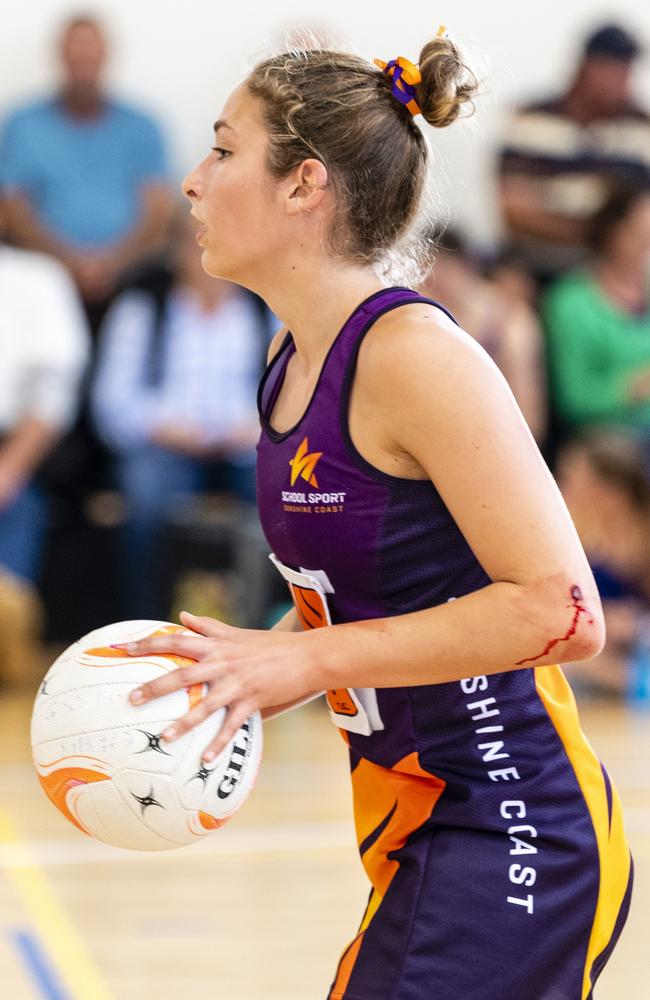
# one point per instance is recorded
(339, 109)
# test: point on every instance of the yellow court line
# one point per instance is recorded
(66, 949)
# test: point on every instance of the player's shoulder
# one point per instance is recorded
(417, 363)
(419, 336)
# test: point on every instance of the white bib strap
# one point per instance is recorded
(353, 709)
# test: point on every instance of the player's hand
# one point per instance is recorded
(246, 670)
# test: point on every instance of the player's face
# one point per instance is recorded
(235, 198)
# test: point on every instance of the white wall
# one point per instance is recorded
(180, 59)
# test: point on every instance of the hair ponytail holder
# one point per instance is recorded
(405, 75)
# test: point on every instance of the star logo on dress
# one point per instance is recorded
(202, 774)
(146, 801)
(303, 463)
(153, 743)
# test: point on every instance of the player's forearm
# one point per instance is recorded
(288, 623)
(501, 627)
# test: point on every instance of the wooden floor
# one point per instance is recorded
(260, 910)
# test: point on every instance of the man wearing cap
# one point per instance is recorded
(560, 156)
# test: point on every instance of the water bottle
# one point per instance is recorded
(638, 688)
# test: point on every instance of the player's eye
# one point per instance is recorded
(223, 153)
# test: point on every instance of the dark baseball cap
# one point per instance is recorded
(614, 42)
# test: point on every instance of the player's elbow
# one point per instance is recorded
(586, 633)
(570, 618)
(589, 642)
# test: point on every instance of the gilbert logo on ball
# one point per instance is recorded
(101, 760)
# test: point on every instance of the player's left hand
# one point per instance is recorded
(246, 670)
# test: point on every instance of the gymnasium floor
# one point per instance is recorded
(259, 911)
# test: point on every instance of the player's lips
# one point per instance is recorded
(200, 233)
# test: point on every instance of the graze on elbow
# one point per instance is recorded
(590, 636)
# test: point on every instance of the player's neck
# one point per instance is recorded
(315, 302)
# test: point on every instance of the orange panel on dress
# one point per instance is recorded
(406, 791)
(346, 965)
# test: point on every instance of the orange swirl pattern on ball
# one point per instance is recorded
(194, 693)
(57, 785)
(209, 822)
(107, 652)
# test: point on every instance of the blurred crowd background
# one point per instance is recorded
(128, 377)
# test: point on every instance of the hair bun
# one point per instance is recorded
(447, 83)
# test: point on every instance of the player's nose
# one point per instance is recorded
(192, 186)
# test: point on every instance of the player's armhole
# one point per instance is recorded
(442, 317)
(276, 343)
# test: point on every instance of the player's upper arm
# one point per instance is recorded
(449, 407)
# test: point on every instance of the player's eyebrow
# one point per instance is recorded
(221, 123)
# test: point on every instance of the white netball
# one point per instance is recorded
(101, 760)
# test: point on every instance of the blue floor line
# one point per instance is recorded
(38, 965)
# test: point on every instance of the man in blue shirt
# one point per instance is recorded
(86, 176)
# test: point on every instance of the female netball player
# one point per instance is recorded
(409, 509)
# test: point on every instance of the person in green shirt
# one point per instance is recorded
(597, 324)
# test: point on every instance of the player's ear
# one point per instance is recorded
(308, 184)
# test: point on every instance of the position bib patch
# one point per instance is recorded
(353, 709)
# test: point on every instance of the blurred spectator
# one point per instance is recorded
(499, 317)
(607, 490)
(597, 323)
(87, 175)
(43, 346)
(560, 155)
(508, 272)
(174, 398)
(88, 183)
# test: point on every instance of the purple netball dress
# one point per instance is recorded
(491, 833)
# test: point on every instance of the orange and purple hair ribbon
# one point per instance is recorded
(405, 75)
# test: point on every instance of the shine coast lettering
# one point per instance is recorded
(491, 745)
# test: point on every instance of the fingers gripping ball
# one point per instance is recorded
(102, 761)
